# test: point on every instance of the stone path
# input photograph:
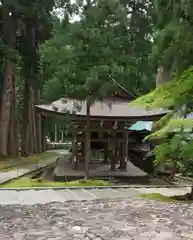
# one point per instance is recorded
(123, 219)
(32, 197)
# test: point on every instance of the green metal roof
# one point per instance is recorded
(141, 125)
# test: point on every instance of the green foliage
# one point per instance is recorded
(171, 148)
(177, 96)
(173, 50)
(173, 129)
(162, 152)
(174, 40)
(173, 125)
(172, 95)
(85, 56)
(179, 148)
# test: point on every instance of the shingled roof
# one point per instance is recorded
(117, 107)
(109, 109)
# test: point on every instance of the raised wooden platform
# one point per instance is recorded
(98, 170)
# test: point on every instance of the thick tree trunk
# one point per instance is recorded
(38, 123)
(25, 124)
(9, 34)
(29, 128)
(33, 117)
(87, 139)
(163, 76)
(13, 139)
(30, 121)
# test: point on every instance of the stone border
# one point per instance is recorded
(91, 187)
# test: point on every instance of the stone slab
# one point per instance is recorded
(84, 194)
(165, 191)
(69, 195)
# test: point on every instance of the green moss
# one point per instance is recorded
(26, 182)
(158, 197)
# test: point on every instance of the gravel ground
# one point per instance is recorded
(120, 219)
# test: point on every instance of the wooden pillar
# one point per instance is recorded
(106, 152)
(121, 155)
(74, 153)
(125, 152)
(39, 132)
(82, 149)
(117, 151)
(87, 138)
(113, 157)
(62, 136)
(55, 132)
(101, 130)
(114, 151)
(43, 135)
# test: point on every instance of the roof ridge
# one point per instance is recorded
(125, 90)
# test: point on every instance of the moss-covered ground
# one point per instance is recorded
(27, 182)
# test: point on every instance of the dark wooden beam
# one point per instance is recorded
(81, 138)
(104, 130)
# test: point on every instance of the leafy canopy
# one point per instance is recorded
(84, 57)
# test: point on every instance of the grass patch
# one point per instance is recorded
(26, 182)
(158, 197)
(10, 163)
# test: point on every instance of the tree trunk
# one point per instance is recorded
(174, 169)
(33, 113)
(13, 139)
(163, 76)
(9, 34)
(29, 131)
(30, 122)
(87, 139)
(38, 124)
(25, 124)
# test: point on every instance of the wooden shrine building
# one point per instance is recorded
(110, 120)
